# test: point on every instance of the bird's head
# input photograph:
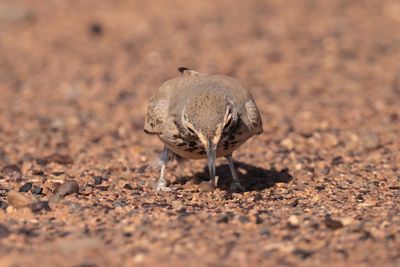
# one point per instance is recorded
(208, 114)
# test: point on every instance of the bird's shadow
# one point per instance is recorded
(252, 178)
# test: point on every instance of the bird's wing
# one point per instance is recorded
(156, 115)
(160, 106)
(254, 121)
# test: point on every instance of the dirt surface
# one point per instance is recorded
(322, 181)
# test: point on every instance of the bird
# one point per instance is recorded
(201, 116)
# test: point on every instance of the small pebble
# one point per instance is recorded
(4, 231)
(293, 221)
(258, 219)
(26, 187)
(10, 169)
(337, 160)
(370, 140)
(60, 159)
(301, 253)
(223, 218)
(265, 231)
(36, 190)
(332, 224)
(37, 172)
(326, 170)
(67, 188)
(96, 28)
(18, 200)
(41, 161)
(98, 180)
(39, 206)
(13, 172)
(128, 186)
(244, 219)
(3, 205)
(287, 143)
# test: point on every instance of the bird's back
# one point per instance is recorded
(182, 88)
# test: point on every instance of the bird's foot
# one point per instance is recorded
(236, 187)
(162, 186)
(214, 183)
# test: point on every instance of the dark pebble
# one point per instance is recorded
(27, 232)
(294, 203)
(67, 188)
(265, 232)
(128, 234)
(86, 264)
(3, 205)
(40, 206)
(41, 161)
(258, 219)
(141, 169)
(223, 218)
(4, 231)
(320, 187)
(120, 202)
(11, 169)
(128, 186)
(332, 224)
(228, 196)
(326, 170)
(97, 180)
(3, 192)
(96, 28)
(102, 187)
(337, 160)
(37, 172)
(258, 197)
(60, 159)
(26, 187)
(244, 219)
(36, 190)
(301, 253)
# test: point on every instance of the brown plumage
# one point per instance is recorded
(196, 115)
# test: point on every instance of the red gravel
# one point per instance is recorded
(323, 179)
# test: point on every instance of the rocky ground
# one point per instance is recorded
(323, 180)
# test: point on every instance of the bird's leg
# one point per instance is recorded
(235, 185)
(163, 158)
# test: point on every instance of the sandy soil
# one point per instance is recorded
(323, 180)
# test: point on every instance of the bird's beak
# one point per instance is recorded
(211, 155)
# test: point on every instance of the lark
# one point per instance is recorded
(201, 116)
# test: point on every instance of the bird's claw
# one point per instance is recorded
(162, 187)
(214, 183)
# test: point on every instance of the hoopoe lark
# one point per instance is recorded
(200, 116)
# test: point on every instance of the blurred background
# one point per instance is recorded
(85, 68)
(75, 77)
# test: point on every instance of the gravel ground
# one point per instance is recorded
(323, 180)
